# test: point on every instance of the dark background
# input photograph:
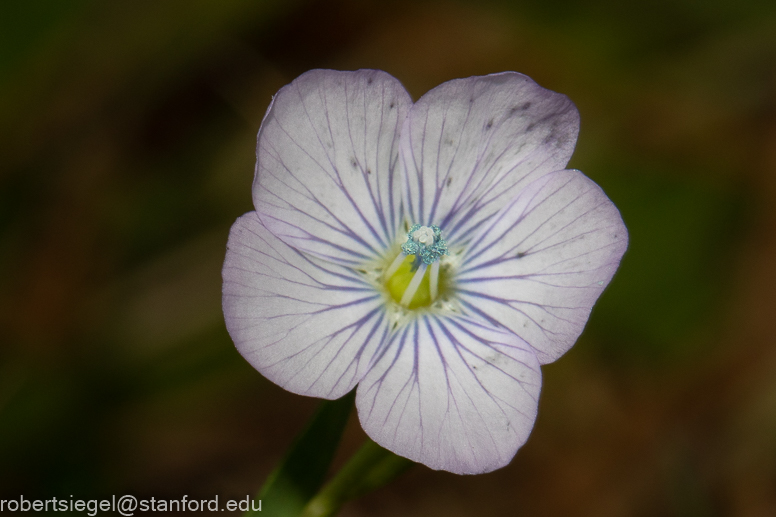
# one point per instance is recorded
(127, 137)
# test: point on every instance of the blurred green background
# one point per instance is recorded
(127, 136)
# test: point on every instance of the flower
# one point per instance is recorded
(435, 254)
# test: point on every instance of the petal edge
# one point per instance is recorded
(309, 326)
(539, 266)
(453, 394)
(470, 145)
(326, 180)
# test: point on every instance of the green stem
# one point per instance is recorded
(301, 474)
(370, 468)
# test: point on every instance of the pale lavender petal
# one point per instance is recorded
(307, 325)
(326, 178)
(470, 145)
(538, 266)
(452, 393)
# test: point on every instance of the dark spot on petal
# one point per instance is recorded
(362, 271)
(449, 180)
(520, 254)
(369, 171)
(353, 162)
(369, 81)
(392, 104)
(489, 124)
(553, 136)
(522, 107)
(530, 127)
(449, 141)
(471, 99)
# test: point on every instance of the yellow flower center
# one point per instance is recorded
(398, 283)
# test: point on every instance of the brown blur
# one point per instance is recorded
(127, 140)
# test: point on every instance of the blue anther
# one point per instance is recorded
(426, 253)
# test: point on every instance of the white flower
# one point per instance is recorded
(512, 253)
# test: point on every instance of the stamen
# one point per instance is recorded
(395, 265)
(425, 242)
(434, 280)
(413, 287)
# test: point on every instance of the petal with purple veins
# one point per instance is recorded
(326, 179)
(470, 145)
(452, 393)
(310, 326)
(539, 265)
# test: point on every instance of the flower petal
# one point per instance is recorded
(538, 267)
(307, 325)
(453, 394)
(325, 173)
(469, 146)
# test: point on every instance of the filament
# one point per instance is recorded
(434, 280)
(394, 265)
(413, 287)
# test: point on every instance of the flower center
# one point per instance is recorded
(414, 279)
